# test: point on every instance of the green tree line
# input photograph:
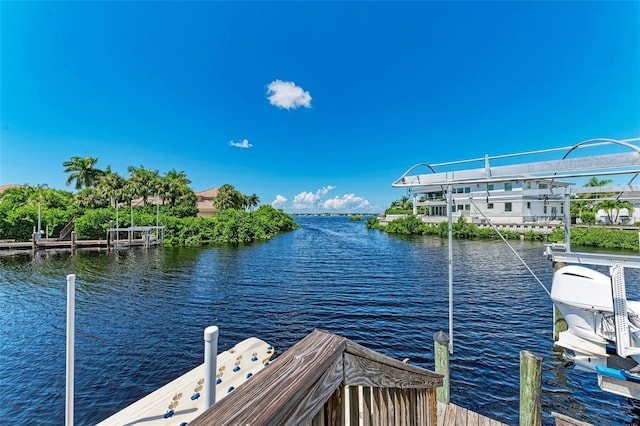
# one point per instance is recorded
(101, 193)
(585, 208)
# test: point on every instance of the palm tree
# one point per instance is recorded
(253, 201)
(173, 186)
(612, 209)
(82, 171)
(110, 186)
(404, 203)
(594, 181)
(228, 198)
(145, 182)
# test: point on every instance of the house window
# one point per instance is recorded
(490, 187)
(543, 186)
(561, 209)
(528, 185)
(544, 210)
(460, 207)
(490, 205)
(467, 190)
(467, 206)
(507, 207)
(508, 186)
(528, 204)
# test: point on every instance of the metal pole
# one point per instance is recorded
(567, 220)
(450, 217)
(71, 286)
(210, 365)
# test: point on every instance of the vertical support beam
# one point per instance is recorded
(71, 309)
(73, 241)
(441, 351)
(567, 220)
(450, 217)
(367, 407)
(109, 236)
(210, 365)
(530, 389)
(354, 406)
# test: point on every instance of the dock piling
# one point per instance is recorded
(210, 367)
(441, 350)
(530, 389)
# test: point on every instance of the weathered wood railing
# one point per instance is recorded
(326, 379)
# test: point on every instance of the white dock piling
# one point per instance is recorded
(210, 367)
(71, 307)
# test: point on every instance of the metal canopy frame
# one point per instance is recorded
(598, 165)
(467, 172)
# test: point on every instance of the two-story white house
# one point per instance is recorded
(518, 201)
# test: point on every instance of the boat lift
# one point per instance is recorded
(591, 158)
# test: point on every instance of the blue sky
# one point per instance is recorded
(313, 106)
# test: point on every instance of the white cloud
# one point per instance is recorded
(242, 144)
(309, 200)
(279, 202)
(287, 95)
(346, 202)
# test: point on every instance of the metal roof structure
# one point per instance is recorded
(511, 167)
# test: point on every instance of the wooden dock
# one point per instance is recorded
(326, 379)
(11, 247)
(51, 244)
(136, 236)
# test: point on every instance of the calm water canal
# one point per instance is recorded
(140, 317)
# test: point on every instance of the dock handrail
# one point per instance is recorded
(65, 233)
(313, 380)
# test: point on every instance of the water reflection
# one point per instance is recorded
(141, 315)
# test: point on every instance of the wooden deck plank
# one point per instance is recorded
(473, 418)
(450, 415)
(442, 409)
(277, 390)
(484, 421)
(453, 415)
(461, 416)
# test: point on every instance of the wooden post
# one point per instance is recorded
(34, 242)
(73, 241)
(441, 351)
(109, 236)
(530, 389)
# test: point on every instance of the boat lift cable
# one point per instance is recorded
(510, 247)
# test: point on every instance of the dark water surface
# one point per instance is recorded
(140, 317)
